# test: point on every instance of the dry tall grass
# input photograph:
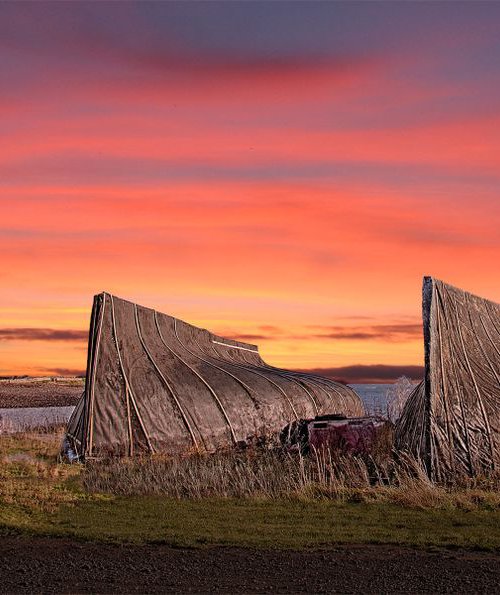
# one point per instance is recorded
(278, 474)
(31, 479)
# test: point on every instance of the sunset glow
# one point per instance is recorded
(280, 173)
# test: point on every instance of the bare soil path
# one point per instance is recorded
(43, 565)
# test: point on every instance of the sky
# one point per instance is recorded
(281, 173)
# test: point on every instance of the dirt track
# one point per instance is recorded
(63, 566)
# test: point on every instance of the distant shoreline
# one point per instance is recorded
(25, 391)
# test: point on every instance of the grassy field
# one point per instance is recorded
(38, 496)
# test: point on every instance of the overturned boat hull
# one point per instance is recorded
(157, 384)
(451, 421)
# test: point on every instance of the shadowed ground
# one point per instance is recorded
(61, 565)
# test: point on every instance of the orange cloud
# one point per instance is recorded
(278, 198)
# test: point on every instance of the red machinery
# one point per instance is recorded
(354, 435)
(357, 435)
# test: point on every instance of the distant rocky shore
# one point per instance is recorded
(27, 391)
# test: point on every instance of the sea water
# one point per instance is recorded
(24, 418)
(374, 397)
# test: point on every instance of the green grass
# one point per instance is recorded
(253, 523)
(40, 497)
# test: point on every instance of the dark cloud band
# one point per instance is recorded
(42, 334)
(384, 332)
(377, 373)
